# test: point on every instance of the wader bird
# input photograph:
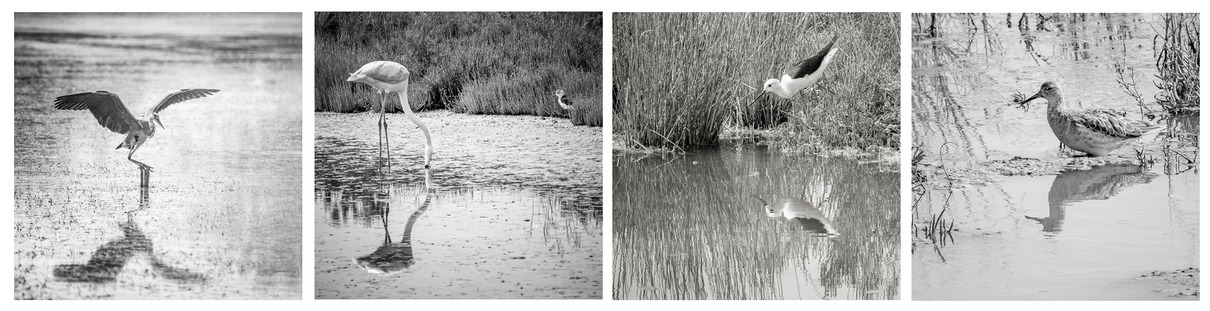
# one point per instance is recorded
(113, 115)
(1094, 131)
(803, 74)
(388, 77)
(563, 100)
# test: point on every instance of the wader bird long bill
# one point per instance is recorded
(115, 116)
(1096, 132)
(391, 77)
(802, 74)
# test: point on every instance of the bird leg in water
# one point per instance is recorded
(130, 157)
(386, 133)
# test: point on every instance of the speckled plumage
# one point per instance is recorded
(1094, 131)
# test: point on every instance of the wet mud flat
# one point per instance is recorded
(510, 209)
(1000, 211)
(691, 227)
(221, 217)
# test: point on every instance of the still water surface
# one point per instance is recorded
(1078, 235)
(688, 227)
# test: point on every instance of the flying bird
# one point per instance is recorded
(113, 115)
(391, 77)
(1096, 132)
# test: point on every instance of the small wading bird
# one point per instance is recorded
(800, 212)
(563, 100)
(1096, 132)
(803, 74)
(113, 115)
(391, 77)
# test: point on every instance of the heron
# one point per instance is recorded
(390, 77)
(1096, 132)
(113, 115)
(802, 74)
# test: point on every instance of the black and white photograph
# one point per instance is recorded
(756, 156)
(458, 155)
(201, 198)
(1055, 156)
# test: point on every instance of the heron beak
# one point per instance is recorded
(351, 78)
(157, 121)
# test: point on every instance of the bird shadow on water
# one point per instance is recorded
(108, 261)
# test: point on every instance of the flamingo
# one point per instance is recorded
(1096, 132)
(387, 77)
(113, 115)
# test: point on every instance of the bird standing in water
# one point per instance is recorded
(113, 115)
(1096, 132)
(391, 77)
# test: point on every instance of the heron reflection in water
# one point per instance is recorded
(1099, 183)
(109, 260)
(394, 257)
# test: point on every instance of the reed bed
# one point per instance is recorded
(680, 77)
(467, 62)
(1178, 62)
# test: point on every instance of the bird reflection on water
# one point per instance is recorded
(391, 257)
(108, 261)
(1099, 183)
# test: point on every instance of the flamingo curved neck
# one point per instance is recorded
(407, 110)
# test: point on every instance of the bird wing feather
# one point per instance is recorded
(105, 106)
(1112, 123)
(389, 72)
(810, 65)
(180, 96)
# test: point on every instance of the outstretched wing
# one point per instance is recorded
(106, 106)
(180, 96)
(810, 65)
(1112, 123)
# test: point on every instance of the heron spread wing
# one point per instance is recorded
(810, 65)
(384, 71)
(106, 106)
(1112, 123)
(180, 96)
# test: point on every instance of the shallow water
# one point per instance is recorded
(1078, 235)
(510, 209)
(687, 227)
(221, 218)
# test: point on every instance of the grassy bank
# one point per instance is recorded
(478, 63)
(680, 77)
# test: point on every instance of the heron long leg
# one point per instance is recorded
(130, 157)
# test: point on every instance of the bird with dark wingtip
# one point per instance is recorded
(113, 114)
(802, 74)
(1096, 132)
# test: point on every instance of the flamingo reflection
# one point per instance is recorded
(394, 257)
